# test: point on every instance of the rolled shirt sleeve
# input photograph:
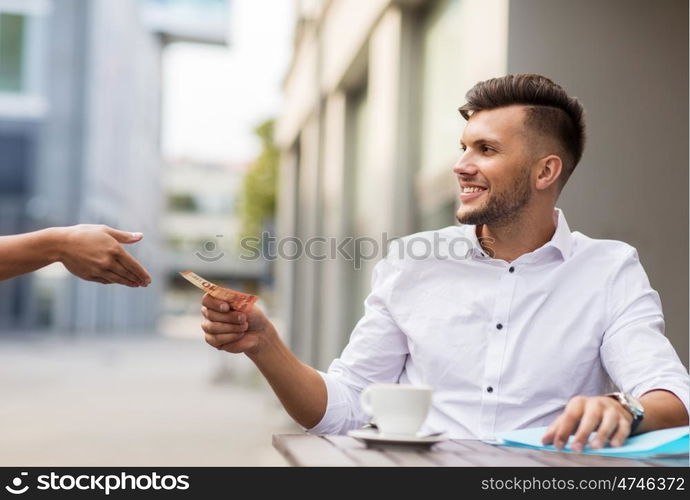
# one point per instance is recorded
(635, 352)
(377, 352)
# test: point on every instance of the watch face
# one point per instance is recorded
(634, 404)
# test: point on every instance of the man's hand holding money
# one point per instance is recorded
(233, 323)
(235, 331)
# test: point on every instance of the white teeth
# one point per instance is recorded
(471, 189)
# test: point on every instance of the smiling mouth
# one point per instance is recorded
(467, 195)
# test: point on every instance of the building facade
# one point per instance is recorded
(370, 130)
(80, 121)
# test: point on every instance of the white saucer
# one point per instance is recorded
(374, 436)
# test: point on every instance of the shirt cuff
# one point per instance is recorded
(337, 408)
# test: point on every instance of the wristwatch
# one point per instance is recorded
(631, 404)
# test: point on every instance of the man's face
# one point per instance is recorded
(496, 158)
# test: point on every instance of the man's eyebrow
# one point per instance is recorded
(482, 140)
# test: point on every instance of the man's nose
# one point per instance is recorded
(464, 166)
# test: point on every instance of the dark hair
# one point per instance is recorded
(550, 111)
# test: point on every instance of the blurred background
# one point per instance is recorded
(198, 122)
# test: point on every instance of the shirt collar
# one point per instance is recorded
(562, 238)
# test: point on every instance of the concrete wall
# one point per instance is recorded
(627, 60)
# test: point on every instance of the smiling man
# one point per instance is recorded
(531, 326)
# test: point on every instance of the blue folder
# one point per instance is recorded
(663, 443)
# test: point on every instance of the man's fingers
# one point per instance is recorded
(622, 432)
(216, 328)
(588, 423)
(564, 431)
(569, 420)
(133, 266)
(215, 304)
(234, 317)
(608, 425)
(242, 344)
(547, 438)
(218, 341)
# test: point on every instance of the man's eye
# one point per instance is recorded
(463, 148)
(487, 149)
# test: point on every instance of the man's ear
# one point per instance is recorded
(550, 170)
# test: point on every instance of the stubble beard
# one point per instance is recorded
(501, 208)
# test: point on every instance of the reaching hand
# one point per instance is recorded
(93, 252)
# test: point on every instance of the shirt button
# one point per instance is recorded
(511, 270)
(499, 326)
(489, 389)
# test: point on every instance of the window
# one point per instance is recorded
(12, 29)
(442, 89)
(182, 203)
(15, 154)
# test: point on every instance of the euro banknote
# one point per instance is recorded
(238, 301)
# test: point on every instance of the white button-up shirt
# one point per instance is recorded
(504, 345)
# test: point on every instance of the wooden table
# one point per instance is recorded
(343, 451)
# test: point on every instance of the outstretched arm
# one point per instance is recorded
(324, 403)
(91, 252)
(299, 387)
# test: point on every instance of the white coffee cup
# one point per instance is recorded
(397, 408)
